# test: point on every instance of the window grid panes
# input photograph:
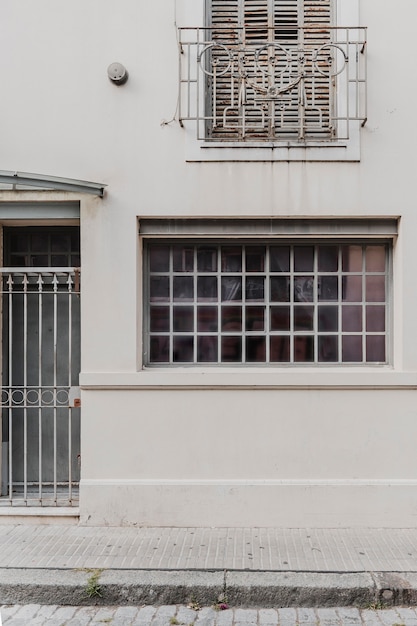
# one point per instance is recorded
(277, 303)
(39, 246)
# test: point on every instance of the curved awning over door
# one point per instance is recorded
(25, 179)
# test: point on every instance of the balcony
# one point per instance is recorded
(297, 87)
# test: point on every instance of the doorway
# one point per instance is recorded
(40, 366)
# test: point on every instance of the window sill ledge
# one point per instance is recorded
(201, 151)
(251, 378)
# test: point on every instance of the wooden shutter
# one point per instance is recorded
(317, 22)
(249, 25)
(286, 20)
(256, 21)
(222, 91)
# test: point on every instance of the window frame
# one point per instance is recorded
(316, 240)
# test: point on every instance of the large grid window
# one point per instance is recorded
(276, 303)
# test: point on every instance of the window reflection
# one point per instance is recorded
(375, 318)
(39, 242)
(303, 349)
(352, 348)
(303, 318)
(183, 319)
(159, 349)
(328, 288)
(255, 349)
(279, 349)
(183, 259)
(183, 348)
(231, 318)
(351, 258)
(255, 318)
(279, 258)
(159, 288)
(207, 349)
(280, 318)
(231, 349)
(328, 349)
(328, 318)
(183, 287)
(207, 259)
(280, 289)
(159, 319)
(232, 259)
(303, 258)
(352, 288)
(303, 289)
(328, 258)
(207, 288)
(207, 319)
(255, 259)
(231, 288)
(352, 318)
(375, 288)
(375, 258)
(159, 259)
(254, 289)
(375, 348)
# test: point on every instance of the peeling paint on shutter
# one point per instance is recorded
(245, 26)
(256, 21)
(317, 22)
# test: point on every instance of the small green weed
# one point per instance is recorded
(194, 604)
(93, 585)
(374, 606)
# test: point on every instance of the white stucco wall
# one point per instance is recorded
(334, 447)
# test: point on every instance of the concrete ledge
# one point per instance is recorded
(306, 378)
(396, 588)
(304, 589)
(12, 515)
(238, 589)
(113, 587)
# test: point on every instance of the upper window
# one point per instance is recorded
(39, 246)
(272, 71)
(277, 302)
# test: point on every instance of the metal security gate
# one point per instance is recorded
(41, 363)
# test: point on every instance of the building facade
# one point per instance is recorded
(219, 330)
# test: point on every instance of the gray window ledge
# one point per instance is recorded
(252, 378)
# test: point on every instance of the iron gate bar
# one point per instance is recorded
(47, 395)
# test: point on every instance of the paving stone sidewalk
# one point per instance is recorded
(268, 567)
(53, 615)
(256, 549)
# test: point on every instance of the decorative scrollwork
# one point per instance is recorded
(35, 397)
(337, 61)
(216, 62)
(272, 60)
(280, 88)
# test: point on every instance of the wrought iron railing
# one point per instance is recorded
(40, 363)
(276, 87)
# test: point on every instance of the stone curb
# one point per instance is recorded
(206, 588)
